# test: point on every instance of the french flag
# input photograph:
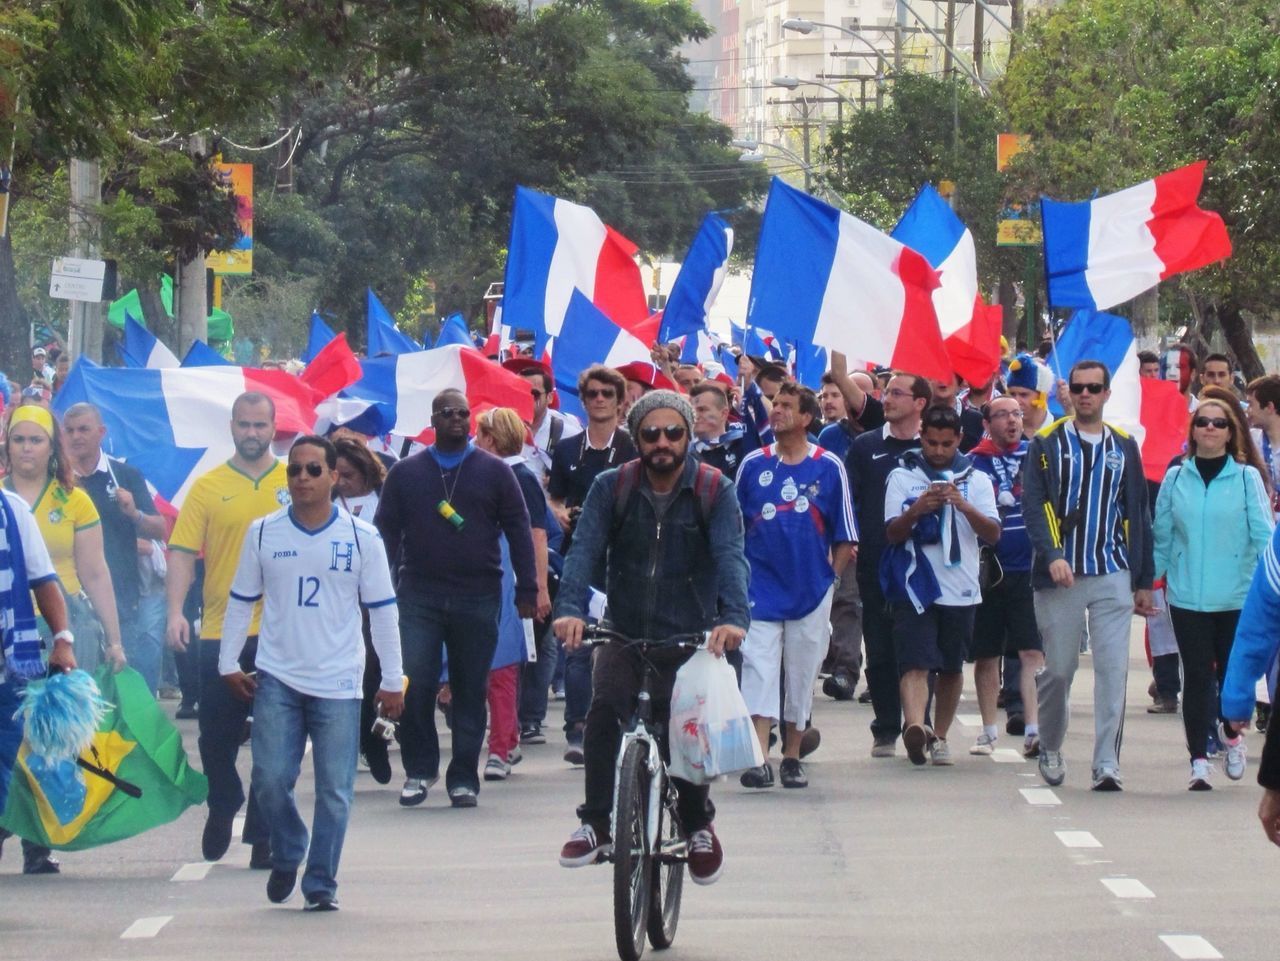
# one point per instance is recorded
(173, 423)
(382, 336)
(318, 334)
(1154, 411)
(141, 348)
(825, 278)
(200, 354)
(454, 330)
(589, 337)
(557, 247)
(1103, 252)
(930, 227)
(394, 394)
(701, 275)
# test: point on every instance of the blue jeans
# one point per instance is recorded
(221, 722)
(283, 720)
(577, 690)
(535, 678)
(467, 627)
(143, 638)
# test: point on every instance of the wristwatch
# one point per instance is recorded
(65, 635)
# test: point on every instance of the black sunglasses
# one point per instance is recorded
(537, 394)
(650, 435)
(1219, 422)
(454, 412)
(313, 470)
(591, 393)
(1091, 388)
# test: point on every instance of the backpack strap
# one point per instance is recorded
(706, 488)
(624, 486)
(556, 433)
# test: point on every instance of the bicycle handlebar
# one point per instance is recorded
(594, 635)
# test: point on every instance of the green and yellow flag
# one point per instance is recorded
(66, 807)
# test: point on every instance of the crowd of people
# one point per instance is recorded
(886, 526)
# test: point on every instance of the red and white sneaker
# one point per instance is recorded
(583, 848)
(706, 857)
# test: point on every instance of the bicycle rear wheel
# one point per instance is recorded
(668, 879)
(632, 863)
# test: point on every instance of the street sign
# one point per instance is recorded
(77, 279)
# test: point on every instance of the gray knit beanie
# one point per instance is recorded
(656, 400)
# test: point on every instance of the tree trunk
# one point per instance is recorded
(1008, 298)
(154, 315)
(1237, 331)
(1146, 315)
(15, 335)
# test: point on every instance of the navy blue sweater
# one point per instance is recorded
(429, 553)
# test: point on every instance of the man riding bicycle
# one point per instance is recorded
(667, 533)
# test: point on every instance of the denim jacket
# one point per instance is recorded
(676, 574)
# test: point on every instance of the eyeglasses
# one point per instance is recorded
(1219, 422)
(313, 470)
(1078, 389)
(650, 435)
(1016, 414)
(898, 392)
(454, 412)
(591, 393)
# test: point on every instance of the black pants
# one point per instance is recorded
(616, 677)
(1204, 641)
(221, 722)
(881, 665)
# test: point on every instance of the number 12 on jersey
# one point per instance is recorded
(308, 588)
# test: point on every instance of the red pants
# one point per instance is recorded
(504, 724)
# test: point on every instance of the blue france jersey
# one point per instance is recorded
(794, 514)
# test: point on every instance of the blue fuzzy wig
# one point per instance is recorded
(61, 714)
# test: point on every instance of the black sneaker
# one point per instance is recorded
(532, 734)
(757, 777)
(916, 740)
(462, 797)
(321, 902)
(838, 687)
(809, 741)
(186, 712)
(1016, 725)
(280, 885)
(791, 773)
(379, 765)
(217, 836)
(260, 856)
(38, 860)
(573, 751)
(865, 696)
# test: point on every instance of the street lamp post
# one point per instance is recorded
(883, 67)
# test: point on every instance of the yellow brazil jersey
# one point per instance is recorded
(59, 514)
(218, 510)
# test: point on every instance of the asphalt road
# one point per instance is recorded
(876, 859)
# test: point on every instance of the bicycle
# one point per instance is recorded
(650, 848)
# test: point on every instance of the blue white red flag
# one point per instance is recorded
(557, 247)
(172, 423)
(200, 354)
(589, 337)
(702, 272)
(825, 278)
(454, 330)
(1105, 251)
(382, 336)
(318, 334)
(1089, 335)
(141, 348)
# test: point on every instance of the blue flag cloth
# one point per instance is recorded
(318, 336)
(701, 274)
(382, 334)
(201, 354)
(454, 330)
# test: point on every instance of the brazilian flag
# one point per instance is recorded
(64, 806)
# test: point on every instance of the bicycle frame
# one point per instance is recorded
(641, 729)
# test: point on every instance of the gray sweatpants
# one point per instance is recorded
(1060, 614)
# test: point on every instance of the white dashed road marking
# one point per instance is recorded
(1008, 755)
(146, 927)
(195, 871)
(1189, 947)
(970, 720)
(1128, 888)
(1039, 795)
(1078, 839)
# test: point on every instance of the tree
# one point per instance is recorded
(1115, 92)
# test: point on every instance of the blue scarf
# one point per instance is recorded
(941, 526)
(21, 640)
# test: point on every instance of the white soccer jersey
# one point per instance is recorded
(312, 583)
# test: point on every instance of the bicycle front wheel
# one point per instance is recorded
(668, 879)
(632, 862)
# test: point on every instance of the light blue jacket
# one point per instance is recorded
(1208, 539)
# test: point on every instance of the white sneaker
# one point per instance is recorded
(1200, 776)
(1237, 757)
(497, 768)
(415, 790)
(940, 753)
(985, 745)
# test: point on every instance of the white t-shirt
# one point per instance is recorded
(312, 583)
(363, 507)
(538, 454)
(959, 584)
(34, 551)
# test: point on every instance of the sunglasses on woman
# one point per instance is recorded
(1219, 422)
(650, 435)
(313, 470)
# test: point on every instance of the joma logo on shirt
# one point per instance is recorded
(279, 554)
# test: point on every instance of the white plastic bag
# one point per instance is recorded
(710, 731)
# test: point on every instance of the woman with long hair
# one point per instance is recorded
(1213, 520)
(501, 432)
(40, 473)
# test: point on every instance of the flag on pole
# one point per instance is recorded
(141, 348)
(557, 247)
(318, 334)
(701, 274)
(1089, 335)
(382, 334)
(200, 354)
(589, 337)
(454, 330)
(58, 805)
(334, 368)
(823, 277)
(1105, 251)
